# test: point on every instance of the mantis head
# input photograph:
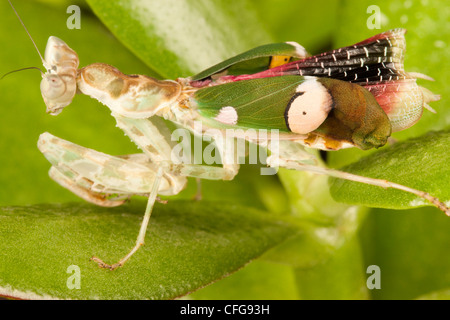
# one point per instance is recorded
(59, 83)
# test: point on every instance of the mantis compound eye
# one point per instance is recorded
(52, 87)
(57, 92)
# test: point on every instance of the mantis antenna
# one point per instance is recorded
(21, 69)
(58, 85)
(42, 59)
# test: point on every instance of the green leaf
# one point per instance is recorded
(188, 246)
(257, 280)
(181, 38)
(340, 277)
(411, 249)
(325, 257)
(420, 163)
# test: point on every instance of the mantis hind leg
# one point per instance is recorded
(290, 160)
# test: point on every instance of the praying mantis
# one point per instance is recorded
(349, 97)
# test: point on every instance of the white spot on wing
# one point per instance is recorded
(227, 115)
(310, 109)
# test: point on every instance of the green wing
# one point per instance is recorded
(257, 103)
(254, 60)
